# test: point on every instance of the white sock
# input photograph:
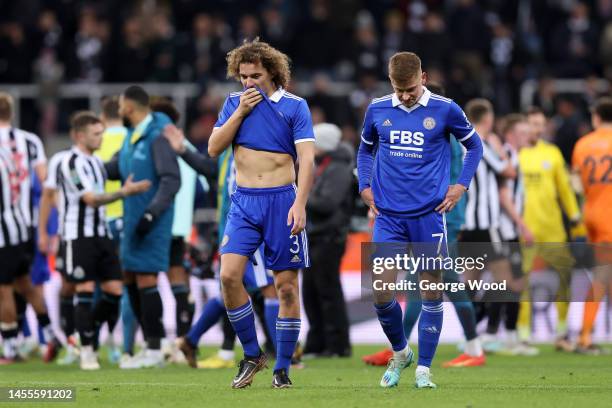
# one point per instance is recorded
(486, 337)
(87, 349)
(512, 336)
(422, 369)
(402, 354)
(226, 354)
(155, 353)
(473, 347)
(10, 347)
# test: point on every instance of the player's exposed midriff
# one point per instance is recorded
(261, 169)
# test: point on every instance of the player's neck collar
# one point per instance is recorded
(78, 150)
(423, 101)
(277, 95)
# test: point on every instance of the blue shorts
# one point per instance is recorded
(259, 215)
(426, 235)
(255, 274)
(40, 272)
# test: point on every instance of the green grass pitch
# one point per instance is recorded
(548, 380)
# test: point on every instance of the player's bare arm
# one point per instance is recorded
(41, 172)
(297, 212)
(47, 201)
(506, 203)
(129, 188)
(222, 137)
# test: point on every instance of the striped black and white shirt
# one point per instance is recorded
(75, 173)
(482, 209)
(13, 227)
(507, 227)
(27, 152)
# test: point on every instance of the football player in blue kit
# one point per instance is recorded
(404, 169)
(269, 129)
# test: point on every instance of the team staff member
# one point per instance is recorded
(147, 229)
(328, 211)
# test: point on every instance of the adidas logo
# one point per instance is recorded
(296, 259)
(431, 329)
(387, 122)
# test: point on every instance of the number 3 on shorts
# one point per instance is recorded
(296, 242)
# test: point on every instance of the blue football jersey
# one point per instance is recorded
(412, 164)
(276, 124)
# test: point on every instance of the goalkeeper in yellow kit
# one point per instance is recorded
(548, 192)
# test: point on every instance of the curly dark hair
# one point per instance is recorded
(252, 52)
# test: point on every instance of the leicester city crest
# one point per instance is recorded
(429, 123)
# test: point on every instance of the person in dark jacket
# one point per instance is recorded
(328, 214)
(147, 229)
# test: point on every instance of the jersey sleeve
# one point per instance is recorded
(36, 150)
(226, 111)
(52, 174)
(458, 123)
(80, 177)
(100, 164)
(493, 160)
(302, 124)
(368, 130)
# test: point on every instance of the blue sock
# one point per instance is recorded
(243, 322)
(287, 333)
(390, 318)
(430, 326)
(271, 313)
(413, 311)
(213, 310)
(41, 335)
(25, 328)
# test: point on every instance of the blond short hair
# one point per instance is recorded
(404, 66)
(6, 106)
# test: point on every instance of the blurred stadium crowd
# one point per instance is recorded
(475, 48)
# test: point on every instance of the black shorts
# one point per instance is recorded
(177, 251)
(89, 259)
(480, 242)
(14, 263)
(30, 248)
